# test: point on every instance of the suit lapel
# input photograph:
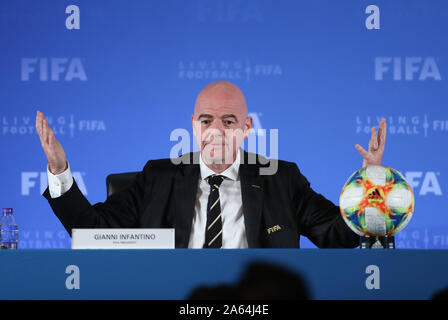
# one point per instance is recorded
(186, 188)
(252, 196)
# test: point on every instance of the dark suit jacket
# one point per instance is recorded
(164, 195)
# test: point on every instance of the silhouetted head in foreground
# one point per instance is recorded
(261, 281)
(440, 295)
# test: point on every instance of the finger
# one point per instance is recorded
(51, 145)
(379, 137)
(383, 132)
(42, 123)
(41, 138)
(51, 140)
(374, 139)
(37, 121)
(39, 118)
(50, 134)
(45, 132)
(361, 150)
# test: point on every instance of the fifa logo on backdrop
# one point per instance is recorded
(424, 183)
(43, 239)
(406, 68)
(61, 125)
(422, 238)
(33, 180)
(226, 70)
(52, 69)
(403, 125)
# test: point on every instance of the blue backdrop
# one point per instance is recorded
(117, 84)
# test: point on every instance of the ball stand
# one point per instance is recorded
(377, 242)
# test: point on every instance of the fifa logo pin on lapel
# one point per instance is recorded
(274, 228)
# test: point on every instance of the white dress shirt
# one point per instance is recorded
(233, 228)
(58, 184)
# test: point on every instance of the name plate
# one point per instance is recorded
(122, 238)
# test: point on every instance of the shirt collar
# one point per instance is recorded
(231, 172)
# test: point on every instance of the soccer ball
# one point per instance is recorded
(376, 201)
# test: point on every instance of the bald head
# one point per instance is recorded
(221, 95)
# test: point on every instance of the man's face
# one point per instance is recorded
(220, 124)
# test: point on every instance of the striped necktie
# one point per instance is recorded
(213, 232)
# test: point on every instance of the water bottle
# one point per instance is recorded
(9, 230)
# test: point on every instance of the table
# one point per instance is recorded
(173, 274)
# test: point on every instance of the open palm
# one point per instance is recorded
(374, 155)
(52, 148)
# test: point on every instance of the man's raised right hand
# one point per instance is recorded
(52, 148)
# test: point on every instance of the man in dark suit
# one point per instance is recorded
(220, 197)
